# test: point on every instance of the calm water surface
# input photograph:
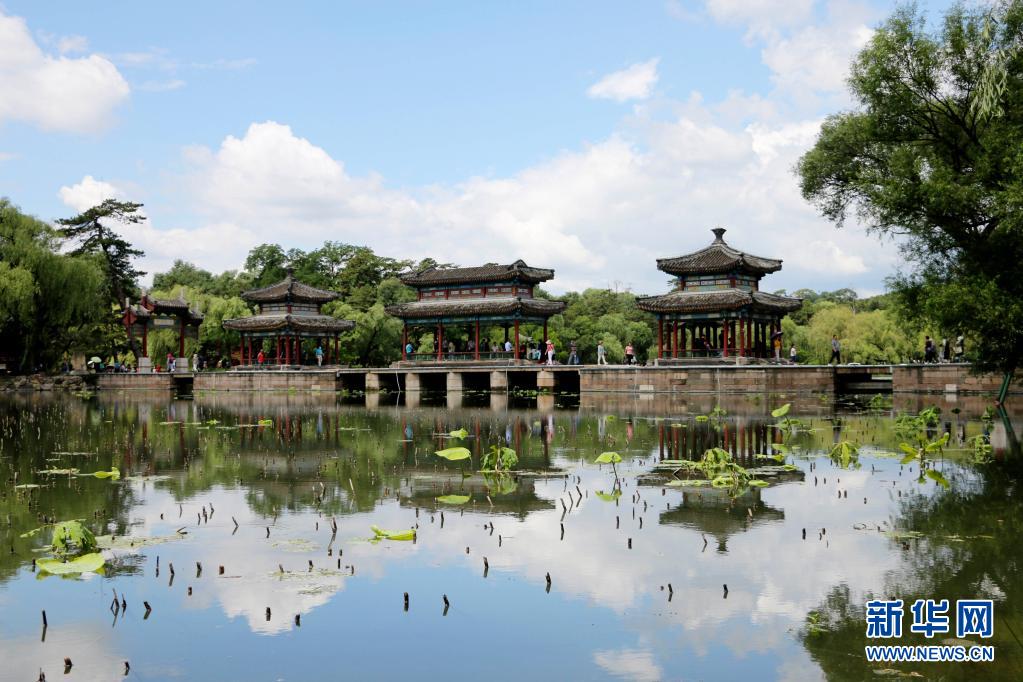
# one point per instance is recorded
(793, 608)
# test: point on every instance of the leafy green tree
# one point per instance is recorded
(48, 300)
(267, 263)
(601, 315)
(932, 155)
(94, 236)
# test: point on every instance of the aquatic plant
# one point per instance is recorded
(846, 454)
(611, 458)
(786, 424)
(880, 402)
(71, 538)
(75, 548)
(981, 446)
(920, 453)
(499, 459)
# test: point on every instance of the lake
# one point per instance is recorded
(246, 522)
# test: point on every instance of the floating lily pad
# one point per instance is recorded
(402, 535)
(453, 499)
(454, 454)
(127, 542)
(87, 563)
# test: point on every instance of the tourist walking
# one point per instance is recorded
(630, 356)
(260, 358)
(170, 362)
(195, 362)
(776, 342)
(408, 349)
(793, 356)
(601, 353)
(944, 357)
(960, 348)
(836, 350)
(319, 355)
(550, 352)
(930, 354)
(573, 354)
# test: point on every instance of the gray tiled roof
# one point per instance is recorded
(307, 323)
(491, 272)
(289, 288)
(681, 301)
(718, 258)
(491, 305)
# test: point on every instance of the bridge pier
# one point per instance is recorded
(372, 381)
(454, 382)
(412, 383)
(545, 379)
(499, 381)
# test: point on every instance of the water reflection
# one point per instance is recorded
(286, 467)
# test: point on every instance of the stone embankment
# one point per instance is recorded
(43, 382)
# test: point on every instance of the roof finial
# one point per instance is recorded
(719, 234)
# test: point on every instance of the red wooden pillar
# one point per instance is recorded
(145, 340)
(277, 357)
(404, 341)
(678, 335)
(241, 349)
(742, 338)
(660, 337)
(516, 348)
(287, 350)
(724, 338)
(545, 333)
(477, 346)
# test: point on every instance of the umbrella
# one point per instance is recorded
(94, 359)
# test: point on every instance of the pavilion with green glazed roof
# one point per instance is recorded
(717, 308)
(474, 299)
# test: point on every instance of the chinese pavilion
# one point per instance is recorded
(152, 313)
(289, 311)
(717, 308)
(474, 298)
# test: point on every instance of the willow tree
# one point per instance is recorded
(48, 299)
(931, 154)
(93, 235)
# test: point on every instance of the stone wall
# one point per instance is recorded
(946, 379)
(265, 381)
(44, 382)
(145, 382)
(738, 379)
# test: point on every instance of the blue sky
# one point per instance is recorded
(591, 137)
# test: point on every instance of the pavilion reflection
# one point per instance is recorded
(716, 513)
(513, 494)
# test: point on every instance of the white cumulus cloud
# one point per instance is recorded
(59, 93)
(87, 193)
(633, 82)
